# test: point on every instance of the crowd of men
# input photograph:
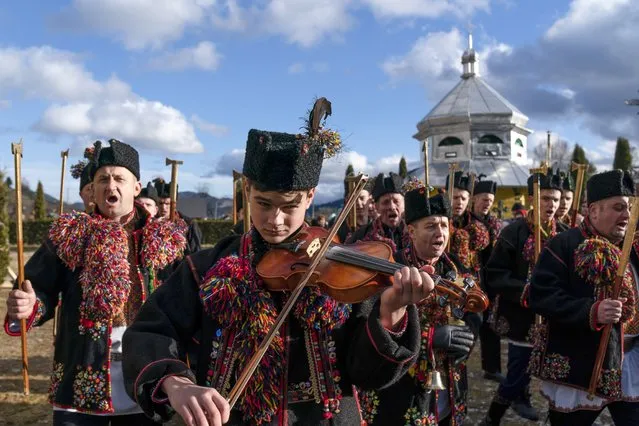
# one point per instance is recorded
(152, 325)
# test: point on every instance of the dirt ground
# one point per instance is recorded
(19, 410)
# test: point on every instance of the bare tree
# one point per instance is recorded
(560, 152)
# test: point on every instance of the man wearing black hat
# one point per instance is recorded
(565, 205)
(483, 230)
(324, 346)
(570, 288)
(445, 340)
(461, 194)
(148, 198)
(389, 227)
(105, 267)
(81, 170)
(361, 212)
(507, 278)
(193, 233)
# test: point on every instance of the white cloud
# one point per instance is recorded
(426, 8)
(296, 68)
(301, 22)
(212, 128)
(84, 106)
(137, 24)
(5, 104)
(203, 56)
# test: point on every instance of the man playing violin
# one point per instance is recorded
(446, 341)
(389, 226)
(571, 287)
(324, 347)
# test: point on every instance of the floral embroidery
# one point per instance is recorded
(479, 236)
(369, 400)
(56, 378)
(415, 417)
(548, 231)
(538, 336)
(609, 384)
(556, 367)
(215, 352)
(91, 389)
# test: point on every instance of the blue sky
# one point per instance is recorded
(188, 78)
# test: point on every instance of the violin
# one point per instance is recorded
(353, 273)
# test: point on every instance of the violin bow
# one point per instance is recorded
(316, 252)
(628, 239)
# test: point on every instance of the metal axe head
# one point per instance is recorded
(237, 175)
(64, 153)
(574, 167)
(16, 148)
(170, 162)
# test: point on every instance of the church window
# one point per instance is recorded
(519, 142)
(490, 139)
(450, 140)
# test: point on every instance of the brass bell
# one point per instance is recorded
(435, 381)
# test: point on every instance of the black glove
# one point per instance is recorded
(455, 340)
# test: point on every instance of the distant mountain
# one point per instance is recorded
(192, 204)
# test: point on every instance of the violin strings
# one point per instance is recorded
(363, 260)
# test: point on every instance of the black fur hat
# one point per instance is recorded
(149, 192)
(291, 162)
(391, 184)
(461, 182)
(162, 188)
(546, 181)
(568, 183)
(418, 205)
(485, 187)
(117, 154)
(610, 184)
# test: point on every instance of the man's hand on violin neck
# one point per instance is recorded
(197, 405)
(410, 286)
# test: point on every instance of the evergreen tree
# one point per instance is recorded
(8, 182)
(350, 171)
(623, 155)
(403, 168)
(39, 206)
(4, 226)
(579, 157)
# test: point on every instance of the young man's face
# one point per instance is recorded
(429, 236)
(390, 208)
(164, 207)
(549, 203)
(149, 205)
(565, 203)
(460, 201)
(277, 215)
(86, 193)
(482, 203)
(610, 217)
(114, 191)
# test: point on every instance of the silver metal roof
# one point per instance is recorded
(506, 173)
(472, 96)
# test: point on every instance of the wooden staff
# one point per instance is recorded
(426, 172)
(174, 175)
(579, 186)
(16, 150)
(537, 217)
(245, 200)
(452, 168)
(317, 256)
(56, 313)
(237, 177)
(548, 153)
(352, 216)
(628, 239)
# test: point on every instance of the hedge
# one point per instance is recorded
(35, 231)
